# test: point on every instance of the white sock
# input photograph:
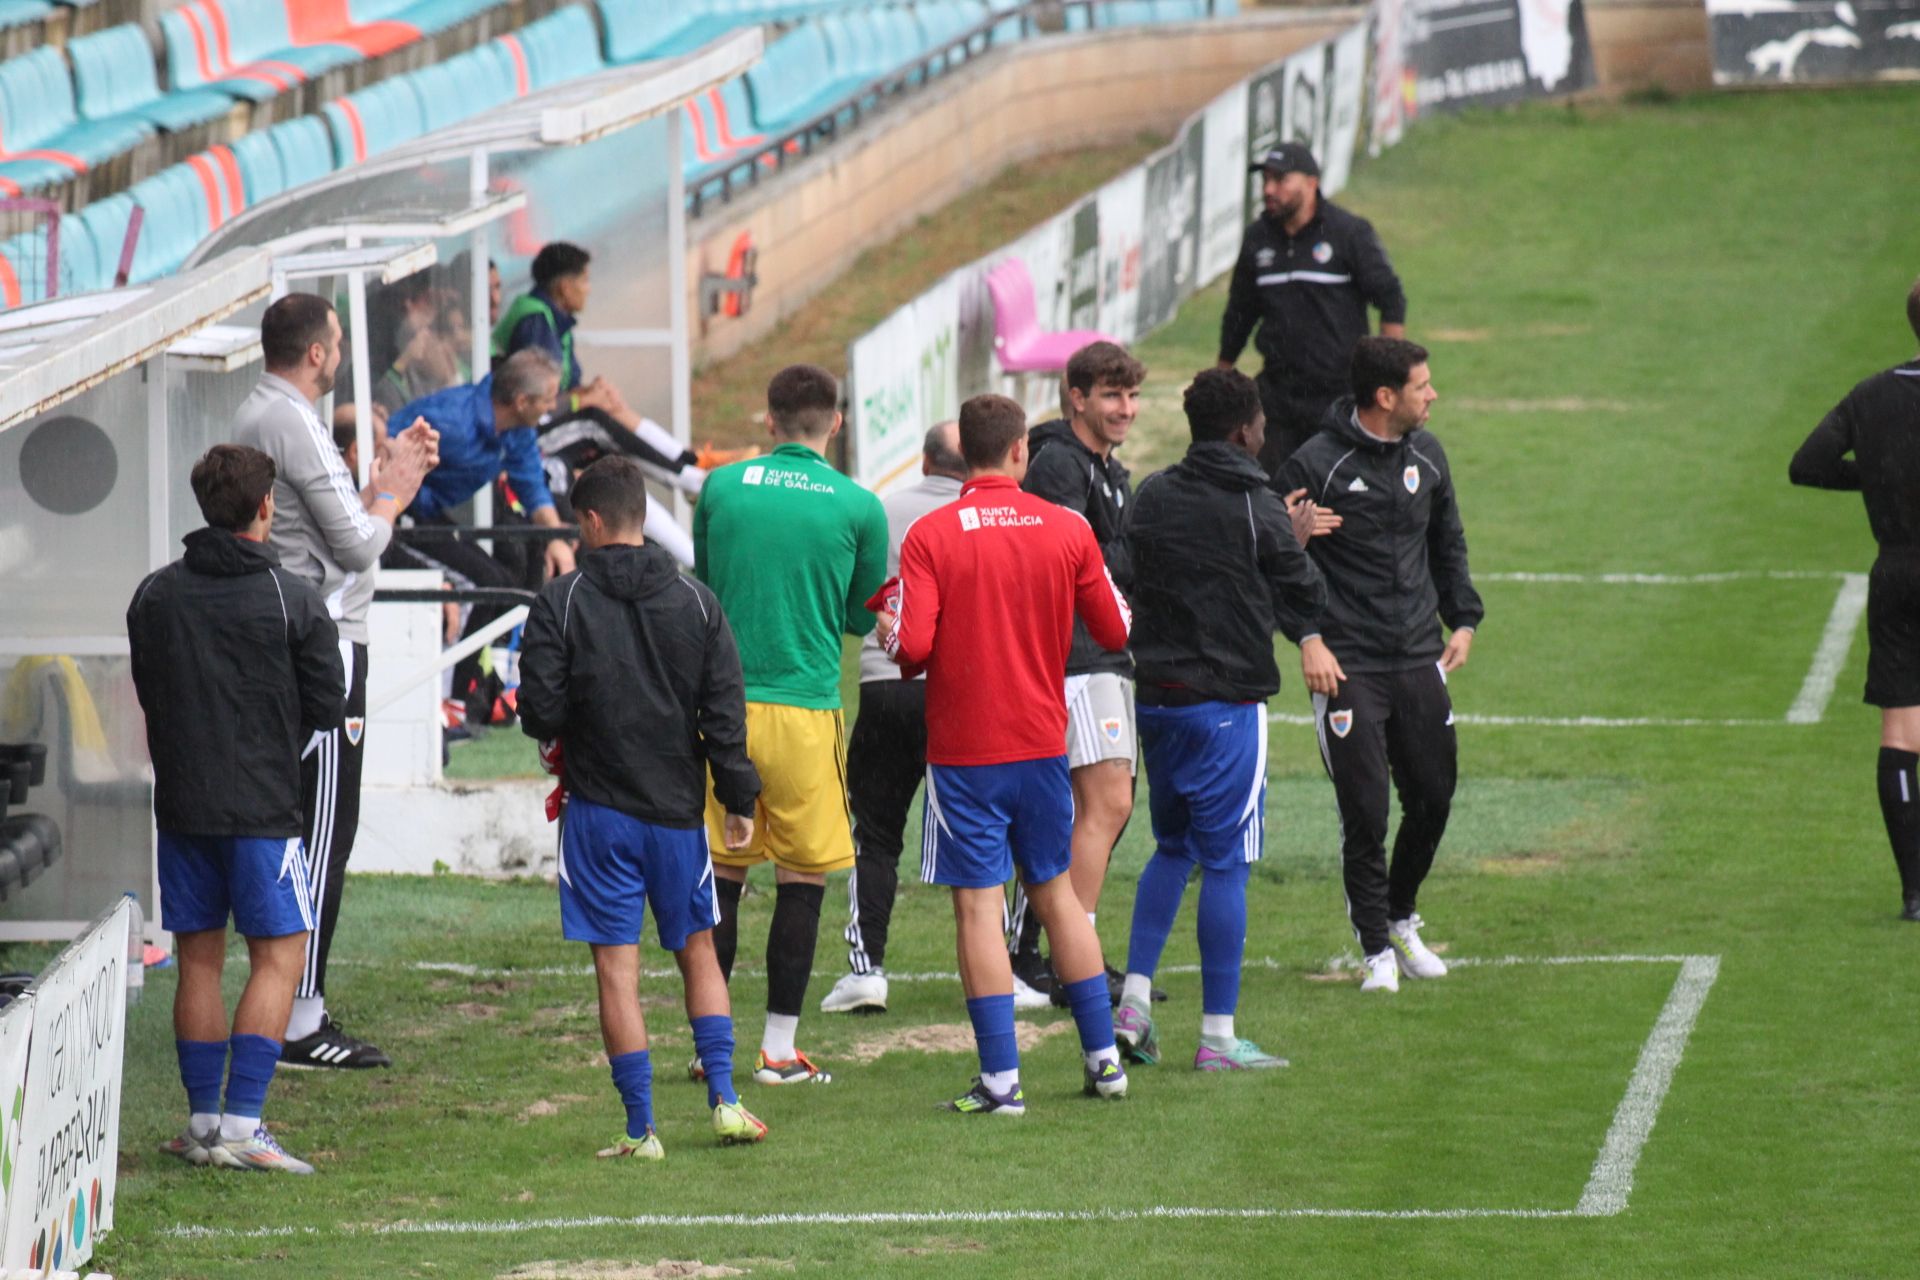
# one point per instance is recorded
(1093, 917)
(1217, 1027)
(1098, 1057)
(777, 1040)
(201, 1124)
(308, 1013)
(1137, 994)
(238, 1128)
(1001, 1082)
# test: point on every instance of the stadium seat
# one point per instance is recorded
(374, 120)
(24, 276)
(255, 49)
(18, 13)
(463, 86)
(795, 80)
(261, 174)
(1019, 342)
(105, 223)
(79, 262)
(561, 46)
(113, 73)
(218, 174)
(641, 29)
(39, 122)
(306, 150)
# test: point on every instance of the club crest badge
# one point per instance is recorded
(356, 725)
(1341, 722)
(1111, 727)
(1323, 253)
(1263, 258)
(1411, 478)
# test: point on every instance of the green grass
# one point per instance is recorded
(1723, 267)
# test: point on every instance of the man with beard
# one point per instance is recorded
(1308, 271)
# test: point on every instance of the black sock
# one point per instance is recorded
(796, 927)
(1900, 806)
(726, 934)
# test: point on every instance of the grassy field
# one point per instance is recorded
(1636, 313)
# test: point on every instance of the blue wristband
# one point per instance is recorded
(387, 497)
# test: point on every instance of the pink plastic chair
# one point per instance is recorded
(1022, 345)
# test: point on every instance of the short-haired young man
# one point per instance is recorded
(236, 665)
(793, 549)
(1071, 463)
(630, 669)
(887, 751)
(330, 533)
(1396, 570)
(989, 588)
(1879, 424)
(1213, 548)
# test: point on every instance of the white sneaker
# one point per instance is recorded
(1415, 960)
(1382, 973)
(857, 993)
(1026, 997)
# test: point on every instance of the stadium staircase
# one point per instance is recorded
(264, 96)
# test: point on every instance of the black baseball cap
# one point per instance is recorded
(1287, 157)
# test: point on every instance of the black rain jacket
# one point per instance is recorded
(1216, 568)
(236, 664)
(633, 667)
(1397, 567)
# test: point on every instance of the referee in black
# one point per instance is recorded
(1396, 569)
(1308, 270)
(1879, 424)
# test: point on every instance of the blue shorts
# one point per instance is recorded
(612, 865)
(262, 880)
(1207, 780)
(982, 820)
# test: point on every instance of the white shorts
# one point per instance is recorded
(1100, 722)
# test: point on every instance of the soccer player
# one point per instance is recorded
(793, 549)
(1878, 423)
(1213, 548)
(1071, 462)
(1377, 667)
(631, 669)
(236, 665)
(329, 533)
(989, 588)
(887, 752)
(1308, 270)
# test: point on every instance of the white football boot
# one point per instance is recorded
(1415, 960)
(1382, 973)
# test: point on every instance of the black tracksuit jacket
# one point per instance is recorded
(1309, 295)
(236, 663)
(1215, 569)
(1068, 474)
(1879, 424)
(1397, 567)
(634, 668)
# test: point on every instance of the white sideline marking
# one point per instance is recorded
(1612, 1177)
(1571, 722)
(1670, 579)
(1817, 690)
(1608, 1187)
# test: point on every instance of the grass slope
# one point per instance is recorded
(1722, 267)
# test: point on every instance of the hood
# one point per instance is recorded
(1052, 431)
(1224, 466)
(219, 553)
(631, 573)
(1340, 421)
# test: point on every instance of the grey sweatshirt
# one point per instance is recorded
(321, 530)
(904, 506)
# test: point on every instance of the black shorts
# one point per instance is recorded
(1893, 630)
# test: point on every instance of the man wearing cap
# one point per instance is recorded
(1307, 273)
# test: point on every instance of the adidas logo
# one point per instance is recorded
(1358, 486)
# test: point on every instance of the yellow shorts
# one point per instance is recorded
(801, 820)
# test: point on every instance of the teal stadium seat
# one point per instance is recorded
(306, 150)
(18, 13)
(113, 73)
(38, 117)
(79, 261)
(246, 48)
(641, 29)
(561, 46)
(261, 174)
(105, 224)
(374, 120)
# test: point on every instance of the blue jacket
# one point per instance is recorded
(472, 452)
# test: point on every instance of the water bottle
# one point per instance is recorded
(136, 952)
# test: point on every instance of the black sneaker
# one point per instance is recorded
(1911, 908)
(1031, 968)
(331, 1046)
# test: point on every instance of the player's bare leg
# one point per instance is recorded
(1102, 804)
(710, 1013)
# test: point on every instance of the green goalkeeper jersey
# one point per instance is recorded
(793, 549)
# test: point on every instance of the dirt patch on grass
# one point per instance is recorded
(550, 1106)
(944, 1037)
(1524, 331)
(614, 1269)
(936, 1245)
(477, 1012)
(1524, 864)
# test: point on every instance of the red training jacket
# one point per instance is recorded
(988, 588)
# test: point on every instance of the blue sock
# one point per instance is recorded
(249, 1073)
(993, 1033)
(1092, 1012)
(202, 1062)
(713, 1041)
(1155, 903)
(1223, 936)
(633, 1077)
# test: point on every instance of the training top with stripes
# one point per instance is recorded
(1309, 295)
(989, 588)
